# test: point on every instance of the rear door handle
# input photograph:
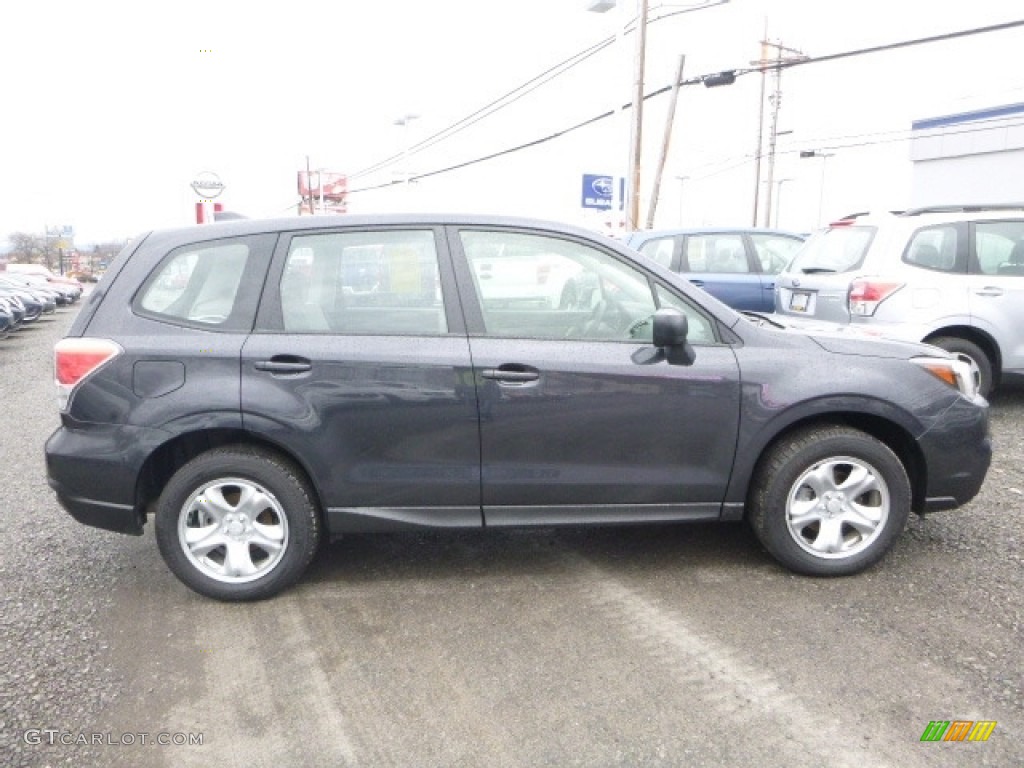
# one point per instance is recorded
(989, 290)
(284, 364)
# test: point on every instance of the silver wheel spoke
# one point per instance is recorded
(201, 541)
(212, 501)
(858, 483)
(864, 519)
(268, 538)
(820, 480)
(830, 536)
(238, 561)
(252, 502)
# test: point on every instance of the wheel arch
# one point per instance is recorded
(976, 336)
(170, 456)
(887, 431)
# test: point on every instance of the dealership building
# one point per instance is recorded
(969, 157)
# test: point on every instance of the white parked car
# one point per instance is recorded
(950, 276)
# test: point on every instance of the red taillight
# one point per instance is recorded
(74, 359)
(866, 295)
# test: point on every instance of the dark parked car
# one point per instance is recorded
(735, 265)
(247, 385)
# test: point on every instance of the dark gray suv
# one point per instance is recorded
(259, 385)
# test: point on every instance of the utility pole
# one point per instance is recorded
(660, 169)
(775, 64)
(636, 135)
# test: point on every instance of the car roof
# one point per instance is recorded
(242, 227)
(642, 235)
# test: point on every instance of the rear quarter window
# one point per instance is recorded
(212, 284)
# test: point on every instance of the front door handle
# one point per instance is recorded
(284, 364)
(511, 373)
(989, 290)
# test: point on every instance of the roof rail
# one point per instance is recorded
(964, 208)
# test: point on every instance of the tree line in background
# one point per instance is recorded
(27, 248)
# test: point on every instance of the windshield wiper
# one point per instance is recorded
(762, 318)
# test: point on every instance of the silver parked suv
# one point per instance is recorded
(950, 276)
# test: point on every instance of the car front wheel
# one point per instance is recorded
(829, 501)
(237, 523)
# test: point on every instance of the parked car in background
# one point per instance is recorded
(11, 306)
(38, 270)
(316, 376)
(952, 276)
(32, 307)
(735, 265)
(6, 320)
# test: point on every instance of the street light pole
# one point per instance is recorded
(821, 186)
(778, 198)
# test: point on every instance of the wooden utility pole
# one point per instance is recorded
(636, 135)
(665, 142)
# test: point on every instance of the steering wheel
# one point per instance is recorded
(603, 314)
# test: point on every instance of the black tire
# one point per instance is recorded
(237, 523)
(980, 361)
(827, 530)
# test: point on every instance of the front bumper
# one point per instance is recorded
(958, 452)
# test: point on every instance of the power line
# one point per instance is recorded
(525, 89)
(691, 81)
(500, 103)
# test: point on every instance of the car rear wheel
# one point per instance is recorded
(829, 501)
(981, 366)
(237, 523)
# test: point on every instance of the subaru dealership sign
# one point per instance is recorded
(598, 191)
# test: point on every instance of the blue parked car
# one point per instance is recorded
(737, 266)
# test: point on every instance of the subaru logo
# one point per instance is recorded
(602, 186)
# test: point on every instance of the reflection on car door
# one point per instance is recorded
(579, 421)
(360, 366)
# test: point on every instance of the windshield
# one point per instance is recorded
(837, 249)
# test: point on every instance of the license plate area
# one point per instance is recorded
(800, 301)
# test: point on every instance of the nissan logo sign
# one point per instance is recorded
(207, 185)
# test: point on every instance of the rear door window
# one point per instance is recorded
(368, 282)
(660, 249)
(716, 253)
(999, 248)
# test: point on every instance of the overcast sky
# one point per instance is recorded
(112, 108)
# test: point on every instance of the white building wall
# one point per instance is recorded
(971, 157)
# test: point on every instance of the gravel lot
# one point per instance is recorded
(667, 646)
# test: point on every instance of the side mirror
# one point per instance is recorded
(670, 330)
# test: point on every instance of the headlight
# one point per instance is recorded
(957, 372)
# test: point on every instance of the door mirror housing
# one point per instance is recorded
(670, 330)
